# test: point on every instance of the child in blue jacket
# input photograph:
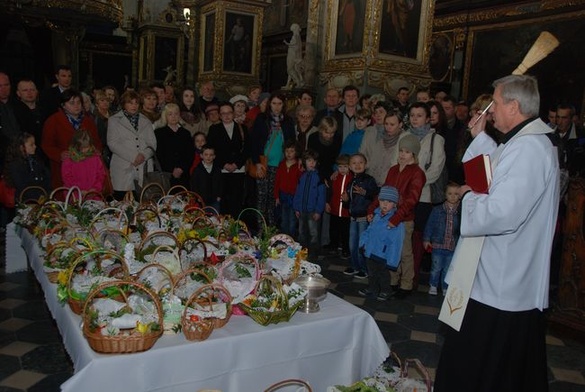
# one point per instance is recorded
(441, 235)
(309, 204)
(382, 245)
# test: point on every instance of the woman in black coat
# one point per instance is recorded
(174, 146)
(271, 130)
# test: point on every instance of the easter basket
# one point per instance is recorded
(98, 266)
(196, 326)
(269, 303)
(129, 325)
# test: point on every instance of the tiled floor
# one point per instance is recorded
(33, 359)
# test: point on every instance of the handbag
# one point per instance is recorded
(438, 187)
(251, 168)
(157, 176)
(7, 194)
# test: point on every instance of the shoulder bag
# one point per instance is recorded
(437, 187)
(157, 176)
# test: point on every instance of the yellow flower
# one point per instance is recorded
(63, 277)
(142, 328)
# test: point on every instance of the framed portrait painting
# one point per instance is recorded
(349, 36)
(239, 42)
(403, 34)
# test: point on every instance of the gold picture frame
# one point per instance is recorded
(349, 18)
(230, 41)
(401, 39)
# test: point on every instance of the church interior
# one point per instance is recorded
(455, 46)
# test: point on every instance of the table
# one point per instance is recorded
(340, 344)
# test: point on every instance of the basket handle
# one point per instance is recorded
(149, 185)
(70, 193)
(289, 382)
(200, 242)
(239, 219)
(30, 188)
(421, 369)
(82, 256)
(156, 234)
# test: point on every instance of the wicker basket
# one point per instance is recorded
(168, 276)
(196, 328)
(222, 294)
(77, 304)
(190, 245)
(281, 312)
(132, 342)
(117, 213)
(190, 274)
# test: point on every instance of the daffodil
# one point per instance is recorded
(142, 328)
(63, 277)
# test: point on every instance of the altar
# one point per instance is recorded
(340, 344)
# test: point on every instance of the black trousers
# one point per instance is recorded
(339, 233)
(495, 350)
(378, 276)
(232, 198)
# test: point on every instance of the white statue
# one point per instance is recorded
(171, 73)
(294, 58)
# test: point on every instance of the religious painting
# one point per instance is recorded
(401, 27)
(349, 32)
(239, 42)
(208, 41)
(165, 57)
(440, 58)
(496, 50)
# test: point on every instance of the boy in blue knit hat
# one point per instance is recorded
(382, 245)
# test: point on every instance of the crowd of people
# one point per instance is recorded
(315, 174)
(354, 179)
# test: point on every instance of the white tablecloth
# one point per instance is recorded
(15, 256)
(339, 344)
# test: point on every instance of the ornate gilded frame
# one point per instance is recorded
(220, 12)
(151, 54)
(410, 65)
(334, 61)
(372, 65)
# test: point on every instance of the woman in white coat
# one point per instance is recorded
(132, 143)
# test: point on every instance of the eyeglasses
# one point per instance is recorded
(224, 113)
(305, 116)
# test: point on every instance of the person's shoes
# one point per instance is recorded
(432, 290)
(394, 288)
(361, 275)
(401, 294)
(366, 292)
(383, 297)
(345, 255)
(350, 271)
